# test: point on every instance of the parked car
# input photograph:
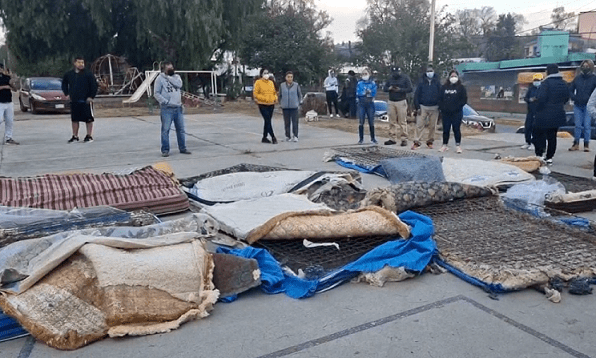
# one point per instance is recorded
(381, 111)
(43, 94)
(568, 127)
(471, 117)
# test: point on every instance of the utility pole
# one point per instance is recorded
(431, 41)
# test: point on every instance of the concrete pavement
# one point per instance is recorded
(428, 316)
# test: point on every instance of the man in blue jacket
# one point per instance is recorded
(398, 86)
(366, 90)
(581, 88)
(426, 103)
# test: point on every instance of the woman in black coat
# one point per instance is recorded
(550, 112)
(452, 99)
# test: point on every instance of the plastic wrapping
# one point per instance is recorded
(535, 192)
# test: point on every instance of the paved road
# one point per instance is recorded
(429, 316)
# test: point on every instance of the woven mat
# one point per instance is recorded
(499, 246)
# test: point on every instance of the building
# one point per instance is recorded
(501, 86)
(586, 25)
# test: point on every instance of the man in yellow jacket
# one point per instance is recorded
(265, 95)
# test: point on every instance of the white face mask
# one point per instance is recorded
(266, 75)
(430, 74)
(537, 83)
(453, 80)
(365, 77)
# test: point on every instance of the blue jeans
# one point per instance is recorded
(366, 109)
(169, 115)
(583, 124)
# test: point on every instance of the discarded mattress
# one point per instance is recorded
(107, 285)
(28, 223)
(572, 202)
(483, 173)
(406, 169)
(146, 188)
(502, 250)
(404, 196)
(528, 164)
(367, 159)
(239, 168)
(412, 255)
(290, 216)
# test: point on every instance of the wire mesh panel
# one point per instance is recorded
(372, 155)
(571, 183)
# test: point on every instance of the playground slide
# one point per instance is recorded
(145, 86)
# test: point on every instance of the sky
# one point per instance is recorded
(346, 13)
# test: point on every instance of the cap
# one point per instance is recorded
(537, 77)
(395, 69)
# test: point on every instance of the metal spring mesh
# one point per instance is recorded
(371, 156)
(572, 183)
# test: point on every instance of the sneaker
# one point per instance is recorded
(288, 139)
(360, 141)
(374, 141)
(165, 154)
(549, 161)
(273, 140)
(265, 140)
(404, 142)
(88, 139)
(525, 146)
(458, 150)
(594, 178)
(390, 142)
(295, 139)
(12, 141)
(531, 147)
(415, 146)
(586, 147)
(429, 145)
(443, 148)
(73, 139)
(574, 147)
(185, 152)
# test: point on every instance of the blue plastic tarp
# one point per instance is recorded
(413, 254)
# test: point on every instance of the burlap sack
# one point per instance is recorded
(103, 291)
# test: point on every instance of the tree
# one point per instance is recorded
(502, 43)
(397, 32)
(185, 31)
(287, 36)
(563, 20)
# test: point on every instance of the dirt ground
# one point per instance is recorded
(249, 108)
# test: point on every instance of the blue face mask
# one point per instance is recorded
(430, 74)
(537, 83)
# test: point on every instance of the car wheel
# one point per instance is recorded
(33, 109)
(23, 108)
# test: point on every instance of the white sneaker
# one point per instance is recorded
(594, 178)
(288, 139)
(458, 150)
(443, 149)
(525, 146)
(530, 147)
(295, 139)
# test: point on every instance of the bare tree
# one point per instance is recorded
(563, 20)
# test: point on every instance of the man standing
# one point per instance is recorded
(167, 93)
(331, 92)
(426, 102)
(350, 87)
(398, 86)
(530, 98)
(80, 85)
(6, 106)
(581, 89)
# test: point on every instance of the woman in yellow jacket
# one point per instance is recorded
(266, 96)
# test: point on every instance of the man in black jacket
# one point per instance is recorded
(581, 88)
(80, 85)
(530, 99)
(398, 86)
(426, 103)
(350, 88)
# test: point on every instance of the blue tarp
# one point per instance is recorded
(10, 328)
(377, 169)
(413, 254)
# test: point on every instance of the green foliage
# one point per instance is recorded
(285, 36)
(502, 43)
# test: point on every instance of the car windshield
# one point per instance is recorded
(468, 111)
(51, 84)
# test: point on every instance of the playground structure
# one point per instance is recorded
(115, 76)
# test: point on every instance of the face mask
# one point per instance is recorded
(586, 70)
(266, 76)
(537, 83)
(170, 72)
(365, 77)
(430, 74)
(453, 80)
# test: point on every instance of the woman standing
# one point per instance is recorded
(265, 95)
(453, 98)
(290, 97)
(366, 90)
(550, 112)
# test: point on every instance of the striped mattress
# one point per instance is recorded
(146, 188)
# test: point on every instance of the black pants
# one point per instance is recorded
(595, 166)
(267, 113)
(452, 120)
(529, 127)
(291, 118)
(353, 107)
(541, 137)
(332, 99)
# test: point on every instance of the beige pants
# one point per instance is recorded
(398, 123)
(426, 121)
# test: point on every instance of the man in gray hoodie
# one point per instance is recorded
(167, 93)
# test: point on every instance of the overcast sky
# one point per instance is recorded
(346, 13)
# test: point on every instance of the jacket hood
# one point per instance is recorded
(590, 64)
(555, 75)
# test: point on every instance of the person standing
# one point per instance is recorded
(80, 85)
(350, 87)
(426, 103)
(6, 105)
(552, 96)
(290, 98)
(453, 98)
(167, 91)
(331, 92)
(591, 108)
(366, 90)
(265, 95)
(581, 89)
(530, 99)
(398, 86)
